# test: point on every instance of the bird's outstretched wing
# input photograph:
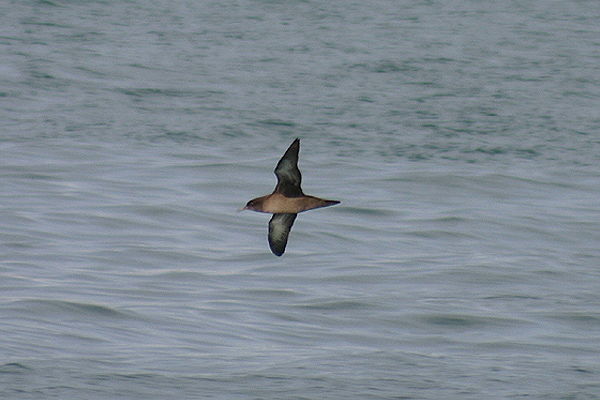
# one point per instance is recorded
(279, 229)
(288, 174)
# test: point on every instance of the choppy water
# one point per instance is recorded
(461, 136)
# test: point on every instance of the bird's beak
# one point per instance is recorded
(242, 209)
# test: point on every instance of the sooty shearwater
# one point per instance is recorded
(286, 201)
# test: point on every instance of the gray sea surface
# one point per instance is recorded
(462, 138)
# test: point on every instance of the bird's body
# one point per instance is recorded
(277, 203)
(286, 201)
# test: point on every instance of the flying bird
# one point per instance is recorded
(286, 201)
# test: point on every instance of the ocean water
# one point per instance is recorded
(462, 138)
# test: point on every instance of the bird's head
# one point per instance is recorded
(254, 205)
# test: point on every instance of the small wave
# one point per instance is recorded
(336, 305)
(168, 92)
(277, 122)
(72, 307)
(465, 322)
(367, 211)
(13, 368)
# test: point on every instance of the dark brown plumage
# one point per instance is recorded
(286, 201)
